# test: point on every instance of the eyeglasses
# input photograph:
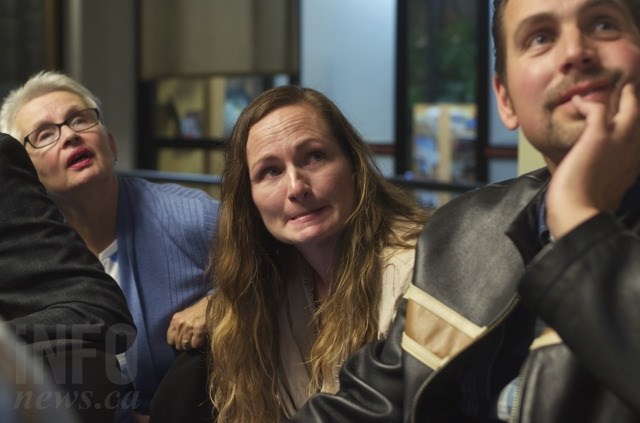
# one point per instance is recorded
(50, 133)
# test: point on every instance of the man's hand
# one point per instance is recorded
(187, 328)
(601, 166)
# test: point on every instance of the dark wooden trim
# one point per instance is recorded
(402, 132)
(53, 34)
(482, 90)
(208, 143)
(501, 152)
(383, 149)
(179, 177)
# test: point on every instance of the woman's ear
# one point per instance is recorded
(505, 108)
(112, 145)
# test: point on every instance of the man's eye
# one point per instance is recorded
(540, 38)
(605, 25)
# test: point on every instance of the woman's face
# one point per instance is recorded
(301, 181)
(77, 158)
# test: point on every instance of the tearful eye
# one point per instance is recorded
(268, 173)
(317, 156)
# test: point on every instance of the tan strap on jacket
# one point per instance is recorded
(434, 333)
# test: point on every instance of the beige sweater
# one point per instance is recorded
(297, 333)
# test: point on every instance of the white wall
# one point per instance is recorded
(348, 53)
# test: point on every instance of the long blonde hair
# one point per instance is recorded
(248, 270)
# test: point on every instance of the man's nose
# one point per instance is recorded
(578, 51)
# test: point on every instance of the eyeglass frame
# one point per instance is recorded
(59, 126)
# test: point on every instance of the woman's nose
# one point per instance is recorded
(298, 185)
(67, 135)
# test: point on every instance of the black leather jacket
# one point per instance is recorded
(481, 281)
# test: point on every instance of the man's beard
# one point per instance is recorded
(562, 136)
(563, 133)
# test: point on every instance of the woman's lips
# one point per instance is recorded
(79, 158)
(305, 217)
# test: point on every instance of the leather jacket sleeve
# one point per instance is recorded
(586, 286)
(51, 287)
(371, 384)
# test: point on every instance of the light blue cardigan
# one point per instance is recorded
(164, 233)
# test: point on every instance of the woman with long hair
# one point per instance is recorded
(314, 251)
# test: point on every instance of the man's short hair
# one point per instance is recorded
(497, 31)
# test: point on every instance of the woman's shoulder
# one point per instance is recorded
(166, 192)
(399, 256)
(407, 231)
(171, 205)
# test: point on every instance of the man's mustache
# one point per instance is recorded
(558, 95)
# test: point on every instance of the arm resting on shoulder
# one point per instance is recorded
(189, 324)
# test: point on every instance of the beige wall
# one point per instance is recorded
(528, 158)
(99, 52)
(204, 37)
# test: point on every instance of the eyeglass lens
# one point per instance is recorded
(48, 134)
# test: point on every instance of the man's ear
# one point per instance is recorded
(505, 108)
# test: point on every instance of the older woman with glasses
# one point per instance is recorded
(152, 238)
